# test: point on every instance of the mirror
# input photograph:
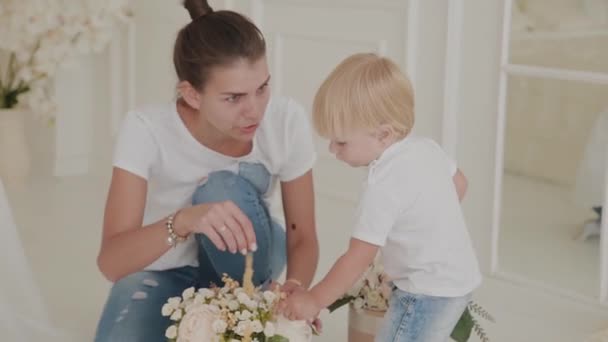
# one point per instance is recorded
(555, 147)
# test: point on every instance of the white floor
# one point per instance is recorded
(539, 234)
(59, 222)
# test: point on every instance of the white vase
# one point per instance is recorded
(363, 325)
(14, 151)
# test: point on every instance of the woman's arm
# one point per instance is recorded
(461, 183)
(125, 248)
(302, 243)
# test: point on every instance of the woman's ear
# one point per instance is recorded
(190, 95)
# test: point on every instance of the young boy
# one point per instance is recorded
(409, 208)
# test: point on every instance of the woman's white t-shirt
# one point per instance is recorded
(410, 208)
(154, 144)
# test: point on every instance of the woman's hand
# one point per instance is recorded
(222, 222)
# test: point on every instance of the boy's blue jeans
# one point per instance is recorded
(420, 318)
(133, 310)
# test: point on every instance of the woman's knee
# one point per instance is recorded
(224, 186)
(133, 309)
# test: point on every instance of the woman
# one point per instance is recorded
(191, 180)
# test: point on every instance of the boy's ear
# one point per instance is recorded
(385, 134)
(189, 94)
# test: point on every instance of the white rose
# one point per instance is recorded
(245, 315)
(257, 327)
(174, 302)
(251, 304)
(294, 331)
(188, 293)
(233, 305)
(206, 293)
(219, 326)
(242, 327)
(374, 299)
(171, 332)
(167, 310)
(270, 297)
(243, 298)
(196, 325)
(358, 303)
(177, 315)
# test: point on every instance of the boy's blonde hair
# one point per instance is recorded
(364, 91)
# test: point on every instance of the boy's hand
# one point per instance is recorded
(288, 287)
(300, 305)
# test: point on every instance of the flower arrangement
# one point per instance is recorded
(40, 36)
(373, 291)
(231, 313)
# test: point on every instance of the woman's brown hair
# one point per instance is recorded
(211, 39)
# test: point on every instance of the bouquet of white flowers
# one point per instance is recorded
(39, 36)
(231, 313)
(371, 292)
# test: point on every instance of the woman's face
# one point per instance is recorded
(235, 98)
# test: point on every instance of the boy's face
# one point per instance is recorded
(357, 147)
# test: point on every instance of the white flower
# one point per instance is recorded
(358, 303)
(44, 34)
(270, 296)
(251, 304)
(233, 305)
(206, 293)
(219, 326)
(177, 315)
(171, 332)
(197, 324)
(242, 328)
(245, 315)
(269, 329)
(257, 326)
(167, 310)
(243, 298)
(174, 302)
(188, 293)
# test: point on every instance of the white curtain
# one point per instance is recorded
(22, 313)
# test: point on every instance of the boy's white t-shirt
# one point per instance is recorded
(154, 144)
(410, 207)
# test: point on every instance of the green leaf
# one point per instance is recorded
(11, 96)
(462, 330)
(277, 338)
(340, 303)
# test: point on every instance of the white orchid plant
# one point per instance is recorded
(40, 36)
(231, 314)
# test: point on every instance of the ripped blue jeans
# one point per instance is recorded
(419, 318)
(133, 310)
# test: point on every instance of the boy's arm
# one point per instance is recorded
(461, 183)
(344, 273)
